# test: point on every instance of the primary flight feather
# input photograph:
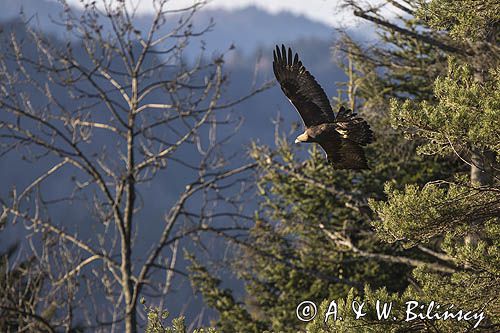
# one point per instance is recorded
(342, 137)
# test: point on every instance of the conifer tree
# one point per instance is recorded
(423, 224)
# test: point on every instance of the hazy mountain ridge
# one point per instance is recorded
(247, 28)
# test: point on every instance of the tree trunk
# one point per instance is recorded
(480, 171)
(481, 162)
(130, 319)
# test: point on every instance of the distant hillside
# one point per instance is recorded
(247, 28)
(251, 27)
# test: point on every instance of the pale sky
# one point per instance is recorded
(324, 11)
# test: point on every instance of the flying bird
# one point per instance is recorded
(343, 136)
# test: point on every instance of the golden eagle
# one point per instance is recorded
(341, 136)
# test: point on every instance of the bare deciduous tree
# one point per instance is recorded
(100, 118)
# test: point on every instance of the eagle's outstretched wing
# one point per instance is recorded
(353, 127)
(301, 88)
(345, 154)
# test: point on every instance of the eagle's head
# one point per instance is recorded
(304, 137)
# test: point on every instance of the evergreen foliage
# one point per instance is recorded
(157, 318)
(418, 226)
(233, 316)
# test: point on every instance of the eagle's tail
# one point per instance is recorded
(353, 128)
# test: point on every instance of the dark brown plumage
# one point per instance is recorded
(342, 137)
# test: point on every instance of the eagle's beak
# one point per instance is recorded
(302, 138)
